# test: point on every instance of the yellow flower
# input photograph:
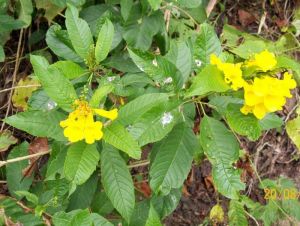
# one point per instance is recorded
(267, 94)
(232, 72)
(264, 61)
(80, 124)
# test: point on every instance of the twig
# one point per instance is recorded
(3, 163)
(253, 218)
(14, 76)
(210, 6)
(18, 87)
(138, 164)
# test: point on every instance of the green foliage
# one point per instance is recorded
(145, 66)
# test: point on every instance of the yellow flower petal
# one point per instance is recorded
(112, 114)
(260, 111)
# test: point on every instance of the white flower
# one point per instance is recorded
(154, 62)
(51, 105)
(198, 63)
(110, 79)
(168, 80)
(166, 119)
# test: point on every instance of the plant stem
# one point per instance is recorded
(138, 164)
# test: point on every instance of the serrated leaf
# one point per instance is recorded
(144, 61)
(81, 161)
(116, 135)
(6, 140)
(69, 69)
(155, 4)
(14, 176)
(139, 106)
(56, 85)
(37, 123)
(236, 214)
(245, 125)
(140, 35)
(210, 79)
(59, 42)
(126, 6)
(79, 32)
(117, 181)
(99, 220)
(222, 149)
(104, 41)
(100, 94)
(173, 159)
(206, 44)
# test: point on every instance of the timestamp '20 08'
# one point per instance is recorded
(285, 194)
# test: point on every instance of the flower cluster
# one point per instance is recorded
(80, 124)
(265, 93)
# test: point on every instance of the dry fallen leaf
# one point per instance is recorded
(37, 145)
(245, 17)
(6, 139)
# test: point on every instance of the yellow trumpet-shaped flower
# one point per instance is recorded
(232, 72)
(264, 61)
(267, 94)
(80, 124)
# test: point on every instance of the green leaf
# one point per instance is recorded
(286, 62)
(82, 218)
(139, 106)
(6, 140)
(173, 159)
(153, 217)
(59, 42)
(100, 94)
(140, 35)
(126, 6)
(69, 69)
(210, 79)
(116, 135)
(79, 32)
(81, 161)
(83, 195)
(271, 121)
(25, 10)
(245, 125)
(2, 54)
(180, 55)
(99, 220)
(29, 196)
(144, 61)
(292, 128)
(236, 214)
(37, 123)
(14, 176)
(117, 181)
(155, 4)
(101, 204)
(56, 85)
(51, 10)
(104, 41)
(206, 44)
(222, 149)
(41, 101)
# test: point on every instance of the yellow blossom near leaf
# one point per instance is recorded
(264, 61)
(80, 124)
(267, 94)
(232, 72)
(21, 95)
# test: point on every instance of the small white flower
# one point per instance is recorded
(168, 80)
(154, 62)
(166, 119)
(110, 79)
(198, 63)
(51, 105)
